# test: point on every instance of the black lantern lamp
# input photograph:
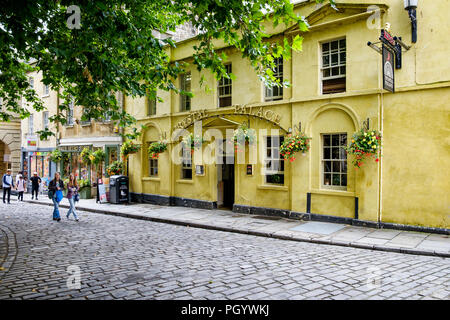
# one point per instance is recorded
(411, 6)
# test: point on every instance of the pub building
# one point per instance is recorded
(337, 90)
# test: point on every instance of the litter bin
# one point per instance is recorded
(118, 189)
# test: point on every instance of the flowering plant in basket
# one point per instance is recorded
(294, 143)
(56, 155)
(243, 133)
(365, 143)
(115, 168)
(128, 147)
(156, 148)
(194, 142)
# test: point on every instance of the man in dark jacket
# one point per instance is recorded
(35, 181)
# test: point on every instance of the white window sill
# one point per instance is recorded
(45, 96)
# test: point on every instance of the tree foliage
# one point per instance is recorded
(115, 48)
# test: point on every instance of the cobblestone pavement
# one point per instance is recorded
(123, 258)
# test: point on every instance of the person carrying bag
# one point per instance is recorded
(56, 187)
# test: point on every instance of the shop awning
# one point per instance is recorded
(90, 141)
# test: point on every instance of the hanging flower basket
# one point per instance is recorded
(56, 155)
(128, 147)
(115, 168)
(98, 156)
(194, 142)
(365, 143)
(156, 148)
(294, 143)
(86, 156)
(243, 133)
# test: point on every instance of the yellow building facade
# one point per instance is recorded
(336, 89)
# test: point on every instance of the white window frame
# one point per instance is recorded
(69, 115)
(185, 100)
(268, 92)
(223, 84)
(151, 106)
(86, 122)
(342, 158)
(153, 167)
(31, 124)
(274, 156)
(46, 90)
(45, 120)
(186, 160)
(340, 64)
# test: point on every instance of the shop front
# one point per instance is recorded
(37, 159)
(86, 174)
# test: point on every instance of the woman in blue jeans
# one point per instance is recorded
(56, 185)
(72, 189)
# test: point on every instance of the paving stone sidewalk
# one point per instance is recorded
(276, 227)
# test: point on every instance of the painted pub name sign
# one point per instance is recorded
(258, 112)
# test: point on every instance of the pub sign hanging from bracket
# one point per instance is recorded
(391, 50)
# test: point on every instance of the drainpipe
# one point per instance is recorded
(380, 166)
(57, 127)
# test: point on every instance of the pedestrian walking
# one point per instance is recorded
(7, 184)
(21, 188)
(72, 190)
(35, 181)
(18, 176)
(56, 188)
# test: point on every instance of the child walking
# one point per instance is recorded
(21, 188)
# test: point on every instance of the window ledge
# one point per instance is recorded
(45, 96)
(69, 126)
(332, 192)
(185, 181)
(150, 179)
(273, 187)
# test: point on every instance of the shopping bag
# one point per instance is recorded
(59, 195)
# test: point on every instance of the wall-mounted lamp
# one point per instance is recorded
(411, 6)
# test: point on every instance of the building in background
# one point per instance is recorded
(35, 152)
(94, 134)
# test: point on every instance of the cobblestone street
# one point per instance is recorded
(123, 258)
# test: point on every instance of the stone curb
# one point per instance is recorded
(11, 250)
(259, 233)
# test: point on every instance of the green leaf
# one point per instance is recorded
(297, 43)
